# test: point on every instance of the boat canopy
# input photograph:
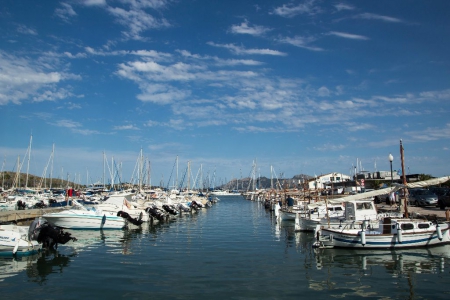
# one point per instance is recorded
(394, 188)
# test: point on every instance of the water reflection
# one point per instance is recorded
(48, 262)
(13, 266)
(395, 262)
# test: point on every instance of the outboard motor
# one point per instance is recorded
(183, 207)
(155, 212)
(40, 204)
(129, 218)
(48, 235)
(195, 205)
(170, 209)
(21, 205)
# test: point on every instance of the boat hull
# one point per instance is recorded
(85, 222)
(372, 240)
(14, 240)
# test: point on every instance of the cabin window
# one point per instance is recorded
(407, 226)
(367, 205)
(359, 206)
(424, 225)
(338, 208)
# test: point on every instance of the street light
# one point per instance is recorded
(391, 158)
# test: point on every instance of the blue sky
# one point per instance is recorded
(303, 86)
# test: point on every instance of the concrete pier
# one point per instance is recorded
(22, 216)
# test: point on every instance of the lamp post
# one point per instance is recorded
(391, 158)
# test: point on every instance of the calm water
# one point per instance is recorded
(233, 250)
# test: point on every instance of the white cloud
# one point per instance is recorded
(67, 124)
(155, 4)
(126, 127)
(78, 55)
(323, 91)
(94, 2)
(369, 16)
(301, 42)
(241, 50)
(236, 62)
(50, 95)
(137, 21)
(161, 94)
(26, 30)
(348, 35)
(244, 28)
(290, 10)
(65, 12)
(22, 78)
(343, 6)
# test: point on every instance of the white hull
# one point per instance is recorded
(85, 222)
(14, 237)
(372, 238)
(113, 209)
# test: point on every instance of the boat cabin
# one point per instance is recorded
(392, 226)
(360, 210)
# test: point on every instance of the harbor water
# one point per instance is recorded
(233, 250)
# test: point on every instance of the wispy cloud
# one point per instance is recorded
(136, 21)
(301, 42)
(93, 2)
(241, 50)
(370, 16)
(244, 28)
(22, 78)
(26, 30)
(290, 10)
(348, 35)
(343, 6)
(156, 55)
(65, 11)
(125, 127)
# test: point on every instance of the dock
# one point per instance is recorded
(26, 215)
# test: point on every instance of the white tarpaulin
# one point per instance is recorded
(425, 183)
(388, 190)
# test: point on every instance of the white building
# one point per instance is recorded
(327, 180)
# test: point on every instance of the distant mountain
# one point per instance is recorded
(265, 183)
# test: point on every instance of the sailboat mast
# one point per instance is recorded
(404, 178)
(189, 176)
(28, 163)
(51, 169)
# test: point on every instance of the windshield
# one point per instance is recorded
(424, 192)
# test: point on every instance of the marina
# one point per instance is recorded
(235, 249)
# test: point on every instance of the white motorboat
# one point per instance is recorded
(312, 211)
(15, 240)
(28, 240)
(79, 217)
(391, 233)
(114, 205)
(354, 213)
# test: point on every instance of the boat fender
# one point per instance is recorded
(399, 234)
(362, 233)
(438, 231)
(16, 247)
